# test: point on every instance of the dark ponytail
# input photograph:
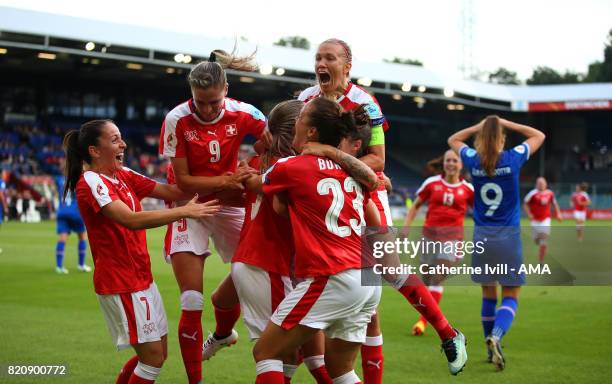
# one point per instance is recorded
(76, 146)
(331, 121)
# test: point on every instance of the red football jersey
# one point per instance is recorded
(381, 200)
(265, 240)
(539, 203)
(578, 199)
(447, 205)
(326, 211)
(211, 148)
(352, 97)
(120, 255)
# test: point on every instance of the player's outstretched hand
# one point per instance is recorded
(195, 210)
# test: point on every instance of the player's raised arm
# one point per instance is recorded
(118, 211)
(458, 139)
(375, 158)
(358, 169)
(169, 192)
(535, 138)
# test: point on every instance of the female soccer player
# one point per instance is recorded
(497, 208)
(537, 204)
(333, 63)
(202, 137)
(69, 220)
(580, 201)
(108, 196)
(261, 267)
(327, 210)
(448, 197)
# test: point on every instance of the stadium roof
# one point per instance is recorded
(385, 77)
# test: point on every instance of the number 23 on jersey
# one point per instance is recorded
(333, 186)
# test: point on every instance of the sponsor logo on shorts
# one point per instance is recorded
(148, 328)
(180, 239)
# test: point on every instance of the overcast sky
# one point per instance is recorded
(518, 34)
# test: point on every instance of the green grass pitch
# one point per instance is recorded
(561, 334)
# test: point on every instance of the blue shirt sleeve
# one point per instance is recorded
(468, 155)
(519, 154)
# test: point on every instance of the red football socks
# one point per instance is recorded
(421, 299)
(126, 371)
(226, 319)
(190, 341)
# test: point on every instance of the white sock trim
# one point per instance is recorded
(314, 362)
(192, 300)
(348, 378)
(436, 288)
(269, 365)
(146, 372)
(374, 341)
(289, 370)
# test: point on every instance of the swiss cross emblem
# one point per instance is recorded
(191, 135)
(460, 192)
(231, 130)
(437, 188)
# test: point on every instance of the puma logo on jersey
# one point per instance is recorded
(212, 133)
(375, 363)
(192, 337)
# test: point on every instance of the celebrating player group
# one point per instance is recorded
(290, 222)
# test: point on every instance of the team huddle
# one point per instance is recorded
(290, 222)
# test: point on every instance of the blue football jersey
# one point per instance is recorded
(68, 207)
(497, 199)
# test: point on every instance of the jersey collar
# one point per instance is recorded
(346, 91)
(449, 184)
(215, 121)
